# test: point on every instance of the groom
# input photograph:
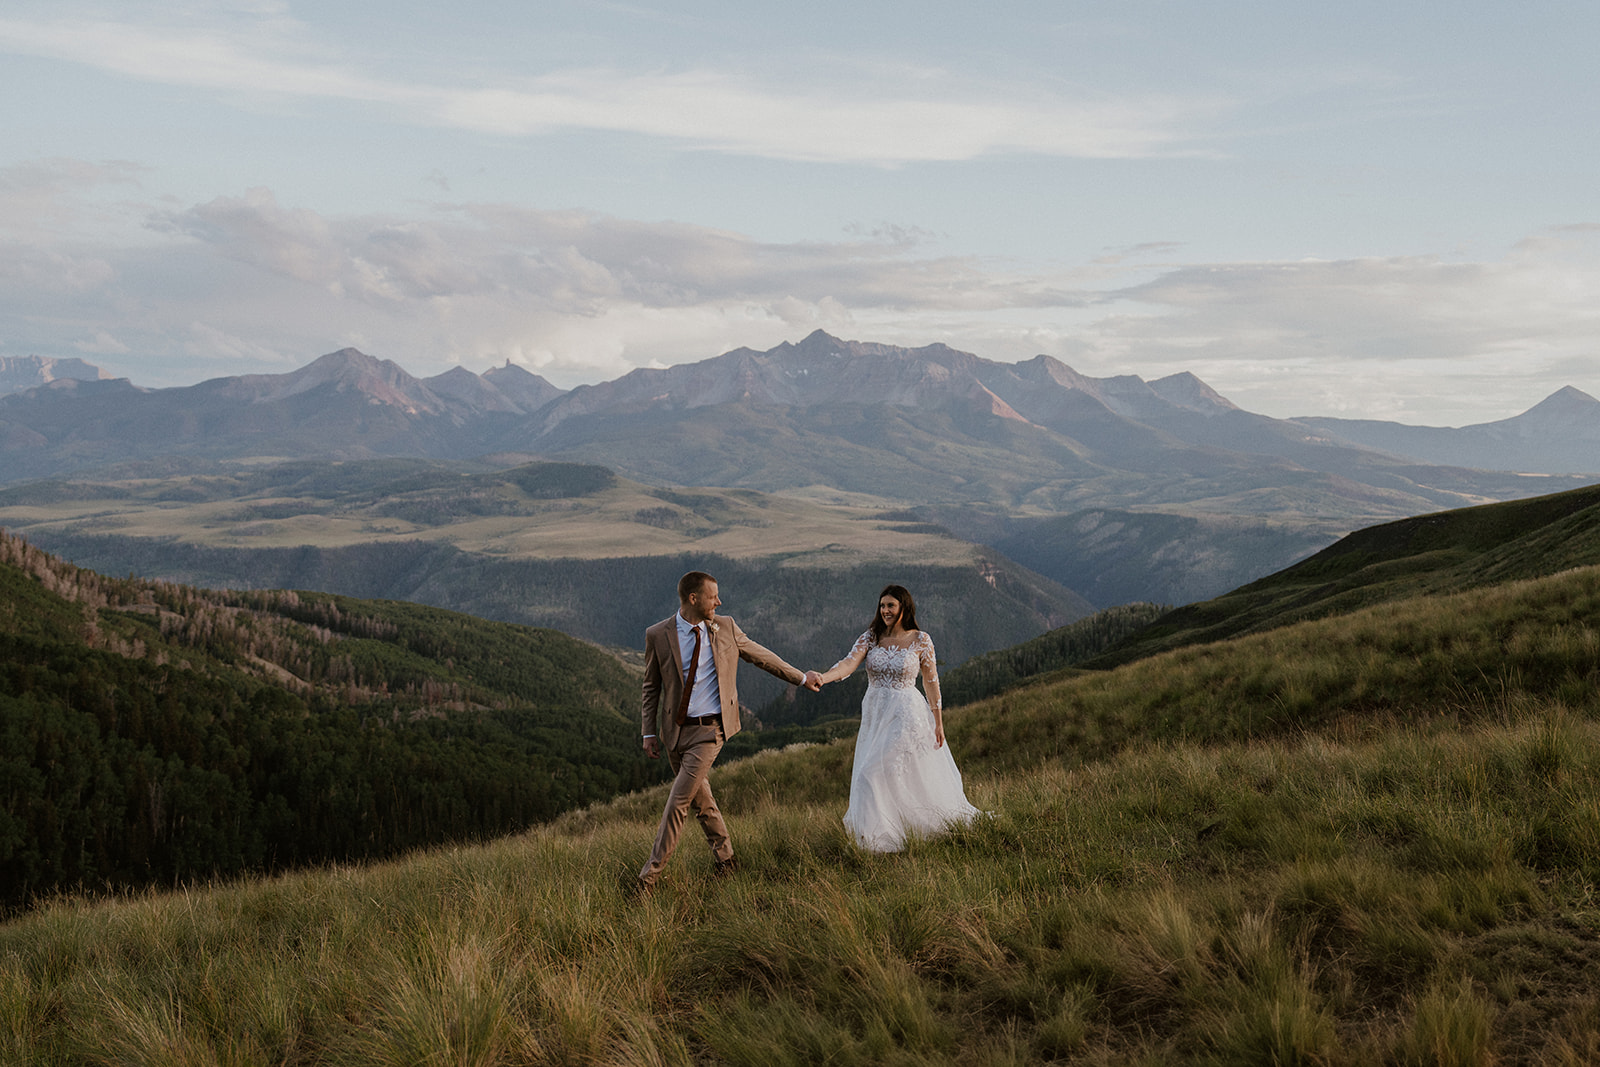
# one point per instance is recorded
(689, 664)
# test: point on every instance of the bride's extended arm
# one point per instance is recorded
(930, 684)
(846, 667)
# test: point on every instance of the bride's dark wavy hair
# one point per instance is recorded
(908, 611)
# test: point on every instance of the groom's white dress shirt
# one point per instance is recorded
(706, 697)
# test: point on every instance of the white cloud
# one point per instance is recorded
(709, 110)
(208, 343)
(102, 343)
(28, 271)
(1382, 337)
(580, 263)
(209, 58)
(249, 283)
(59, 197)
(938, 117)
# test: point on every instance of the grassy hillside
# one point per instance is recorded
(1061, 648)
(154, 733)
(1424, 556)
(1370, 838)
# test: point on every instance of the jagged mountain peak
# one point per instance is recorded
(1569, 413)
(1566, 402)
(350, 360)
(819, 339)
(529, 390)
(1188, 391)
(460, 384)
(1051, 369)
(511, 371)
(381, 382)
(347, 354)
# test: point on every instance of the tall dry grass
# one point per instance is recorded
(1413, 887)
(1402, 899)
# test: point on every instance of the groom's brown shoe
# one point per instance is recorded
(633, 887)
(726, 867)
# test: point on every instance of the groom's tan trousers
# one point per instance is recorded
(691, 760)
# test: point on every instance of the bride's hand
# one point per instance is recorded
(938, 734)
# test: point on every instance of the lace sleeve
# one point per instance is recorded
(930, 669)
(847, 666)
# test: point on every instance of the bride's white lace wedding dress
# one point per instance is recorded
(900, 783)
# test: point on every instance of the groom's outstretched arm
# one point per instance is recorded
(765, 658)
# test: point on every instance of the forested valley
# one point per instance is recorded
(154, 733)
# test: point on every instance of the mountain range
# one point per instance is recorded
(928, 426)
(1558, 435)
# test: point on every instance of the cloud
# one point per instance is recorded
(58, 196)
(1465, 337)
(208, 343)
(102, 343)
(888, 119)
(714, 111)
(256, 59)
(1545, 294)
(251, 283)
(579, 262)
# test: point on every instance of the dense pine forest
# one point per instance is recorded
(1061, 648)
(152, 733)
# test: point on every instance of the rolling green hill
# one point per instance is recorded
(1429, 555)
(1062, 648)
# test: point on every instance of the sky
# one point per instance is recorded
(1366, 210)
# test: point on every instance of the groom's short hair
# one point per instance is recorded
(692, 583)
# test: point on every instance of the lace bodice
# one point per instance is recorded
(895, 668)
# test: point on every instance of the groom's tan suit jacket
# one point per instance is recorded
(663, 675)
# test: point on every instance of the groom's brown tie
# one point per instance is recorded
(688, 680)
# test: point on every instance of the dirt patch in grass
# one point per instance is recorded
(1545, 974)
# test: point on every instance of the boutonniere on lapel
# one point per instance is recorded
(713, 625)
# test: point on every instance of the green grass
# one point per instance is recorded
(1430, 555)
(1364, 840)
(1062, 647)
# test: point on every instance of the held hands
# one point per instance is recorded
(812, 681)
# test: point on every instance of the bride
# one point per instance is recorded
(905, 779)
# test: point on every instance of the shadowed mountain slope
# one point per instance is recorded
(1428, 555)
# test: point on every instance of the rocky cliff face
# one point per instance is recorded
(20, 373)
